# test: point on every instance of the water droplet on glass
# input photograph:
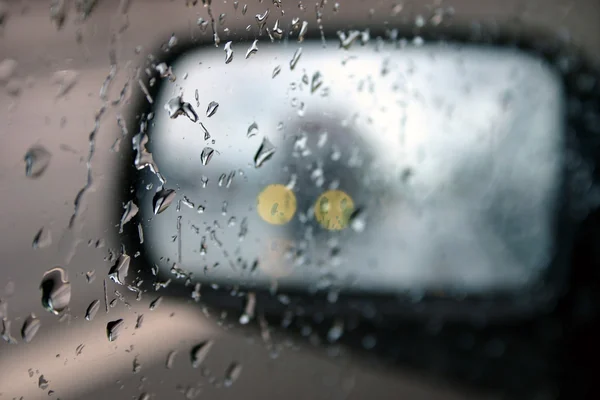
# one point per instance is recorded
(276, 71)
(37, 160)
(336, 331)
(56, 290)
(144, 396)
(137, 367)
(252, 130)
(162, 200)
(199, 352)
(316, 82)
(211, 110)
(295, 58)
(206, 133)
(170, 359)
(419, 21)
(118, 272)
(232, 373)
(261, 20)
(303, 30)
(65, 80)
(357, 221)
(113, 329)
(130, 211)
(90, 276)
(265, 152)
(42, 239)
(277, 31)
(204, 180)
(30, 328)
(92, 310)
(176, 107)
(5, 332)
(42, 383)
(155, 303)
(228, 52)
(346, 41)
(165, 71)
(172, 41)
(252, 49)
(249, 309)
(206, 155)
(139, 321)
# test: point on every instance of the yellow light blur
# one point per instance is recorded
(333, 209)
(276, 204)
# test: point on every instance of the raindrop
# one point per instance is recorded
(204, 180)
(118, 272)
(303, 30)
(144, 396)
(357, 221)
(228, 52)
(172, 41)
(176, 107)
(30, 328)
(170, 359)
(139, 321)
(113, 329)
(5, 332)
(336, 331)
(222, 179)
(261, 20)
(249, 309)
(419, 21)
(137, 367)
(199, 352)
(162, 200)
(295, 58)
(90, 276)
(165, 71)
(206, 133)
(346, 41)
(37, 160)
(42, 239)
(277, 31)
(244, 9)
(65, 80)
(56, 290)
(232, 373)
(155, 303)
(211, 110)
(252, 49)
(42, 383)
(316, 82)
(252, 130)
(92, 310)
(265, 152)
(276, 71)
(131, 210)
(206, 155)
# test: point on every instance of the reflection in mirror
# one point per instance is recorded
(420, 168)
